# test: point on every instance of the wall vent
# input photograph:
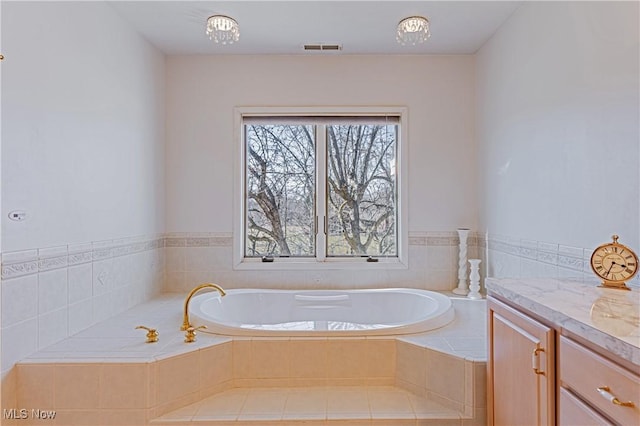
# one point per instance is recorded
(322, 47)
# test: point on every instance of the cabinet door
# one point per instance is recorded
(521, 366)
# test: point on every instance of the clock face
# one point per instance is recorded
(614, 262)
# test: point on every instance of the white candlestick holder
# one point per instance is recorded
(463, 234)
(474, 279)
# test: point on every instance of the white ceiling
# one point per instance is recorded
(283, 27)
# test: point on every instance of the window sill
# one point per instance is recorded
(280, 264)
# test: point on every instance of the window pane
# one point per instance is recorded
(280, 190)
(361, 190)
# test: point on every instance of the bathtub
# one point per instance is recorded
(256, 312)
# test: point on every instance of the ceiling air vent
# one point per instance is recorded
(322, 47)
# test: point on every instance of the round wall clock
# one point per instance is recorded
(615, 264)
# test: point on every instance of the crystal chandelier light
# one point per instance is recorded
(222, 29)
(413, 30)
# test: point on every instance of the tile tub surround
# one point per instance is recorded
(108, 372)
(51, 293)
(208, 257)
(510, 257)
(607, 318)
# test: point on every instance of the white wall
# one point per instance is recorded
(83, 131)
(202, 92)
(83, 154)
(558, 125)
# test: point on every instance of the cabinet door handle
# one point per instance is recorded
(535, 361)
(605, 391)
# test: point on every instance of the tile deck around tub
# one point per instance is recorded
(116, 339)
(373, 380)
(383, 405)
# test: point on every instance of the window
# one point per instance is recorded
(320, 188)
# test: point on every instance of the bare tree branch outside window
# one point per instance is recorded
(280, 190)
(361, 190)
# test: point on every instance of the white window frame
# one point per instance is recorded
(316, 263)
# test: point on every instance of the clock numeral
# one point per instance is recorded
(599, 267)
(631, 264)
(615, 249)
(614, 277)
(597, 261)
(629, 271)
(628, 257)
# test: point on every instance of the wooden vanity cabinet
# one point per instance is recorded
(521, 378)
(522, 367)
(595, 381)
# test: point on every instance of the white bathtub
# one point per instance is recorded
(256, 312)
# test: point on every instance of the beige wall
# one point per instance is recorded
(202, 92)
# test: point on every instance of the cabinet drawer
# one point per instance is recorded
(584, 371)
(573, 412)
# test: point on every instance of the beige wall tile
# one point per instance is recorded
(309, 359)
(468, 383)
(124, 417)
(446, 376)
(164, 408)
(270, 359)
(446, 402)
(177, 377)
(381, 358)
(411, 364)
(479, 418)
(76, 386)
(123, 386)
(354, 381)
(35, 386)
(347, 358)
(242, 365)
(480, 384)
(411, 387)
(261, 383)
(381, 381)
(152, 392)
(295, 382)
(215, 365)
(9, 388)
(78, 418)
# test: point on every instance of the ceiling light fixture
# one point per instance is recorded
(223, 29)
(413, 30)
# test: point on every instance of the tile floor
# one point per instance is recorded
(367, 405)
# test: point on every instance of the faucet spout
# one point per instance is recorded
(185, 320)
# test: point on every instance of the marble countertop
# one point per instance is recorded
(606, 317)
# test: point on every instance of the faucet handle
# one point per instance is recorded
(190, 335)
(152, 333)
